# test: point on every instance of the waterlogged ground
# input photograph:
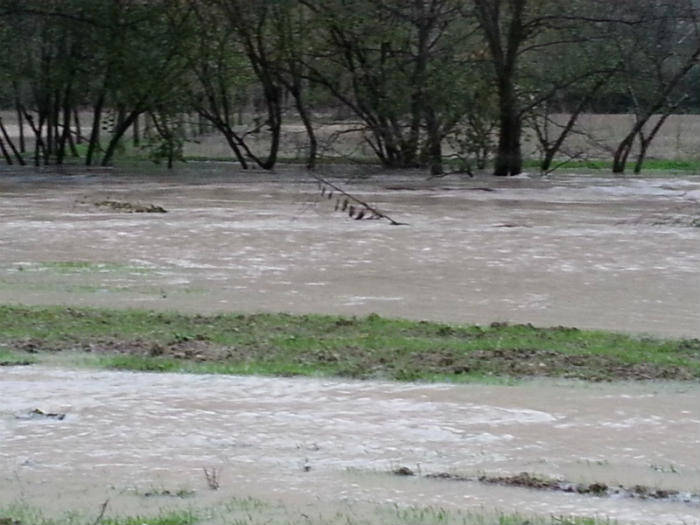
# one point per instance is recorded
(142, 440)
(585, 251)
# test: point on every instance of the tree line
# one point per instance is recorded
(416, 77)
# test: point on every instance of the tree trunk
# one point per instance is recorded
(57, 108)
(71, 144)
(41, 150)
(295, 88)
(234, 147)
(643, 147)
(273, 101)
(644, 142)
(5, 153)
(49, 150)
(124, 123)
(20, 116)
(17, 154)
(136, 137)
(38, 142)
(509, 157)
(623, 151)
(434, 142)
(95, 132)
(20, 124)
(78, 128)
(313, 142)
(65, 134)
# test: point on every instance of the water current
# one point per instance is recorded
(325, 442)
(576, 250)
(593, 252)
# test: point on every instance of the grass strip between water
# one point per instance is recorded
(250, 511)
(324, 345)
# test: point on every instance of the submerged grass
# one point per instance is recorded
(81, 267)
(22, 514)
(361, 347)
(12, 358)
(246, 511)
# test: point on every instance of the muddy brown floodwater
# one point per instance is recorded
(610, 253)
(320, 443)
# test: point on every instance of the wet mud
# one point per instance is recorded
(533, 481)
(586, 251)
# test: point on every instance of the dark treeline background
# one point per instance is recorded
(413, 77)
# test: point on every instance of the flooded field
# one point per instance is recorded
(140, 440)
(575, 250)
(591, 252)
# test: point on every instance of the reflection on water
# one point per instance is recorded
(306, 440)
(597, 252)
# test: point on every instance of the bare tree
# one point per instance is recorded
(386, 61)
(657, 54)
(525, 38)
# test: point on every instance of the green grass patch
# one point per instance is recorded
(22, 514)
(168, 518)
(12, 358)
(684, 165)
(250, 511)
(358, 347)
(82, 266)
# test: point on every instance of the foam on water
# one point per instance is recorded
(263, 433)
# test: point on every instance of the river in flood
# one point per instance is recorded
(577, 250)
(318, 443)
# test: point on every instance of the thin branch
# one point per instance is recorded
(103, 508)
(375, 211)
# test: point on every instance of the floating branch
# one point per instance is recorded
(356, 208)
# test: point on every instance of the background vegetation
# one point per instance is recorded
(417, 82)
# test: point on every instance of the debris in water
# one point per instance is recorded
(129, 207)
(599, 489)
(212, 477)
(40, 414)
(329, 189)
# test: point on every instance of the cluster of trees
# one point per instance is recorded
(415, 75)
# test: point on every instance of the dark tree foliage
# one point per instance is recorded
(417, 80)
